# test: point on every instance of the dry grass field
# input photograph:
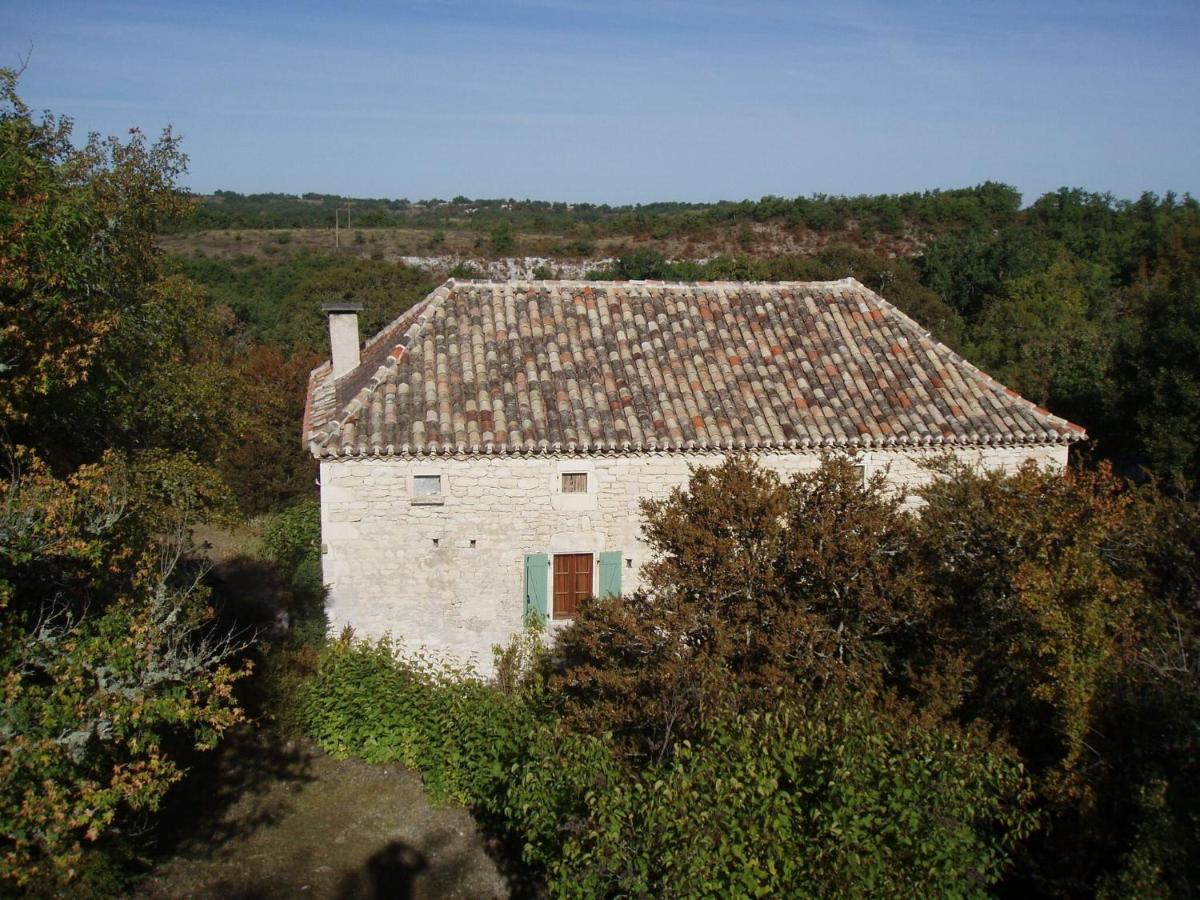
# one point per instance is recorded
(753, 239)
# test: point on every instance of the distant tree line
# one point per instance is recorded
(926, 213)
(887, 213)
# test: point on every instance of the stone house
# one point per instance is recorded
(485, 453)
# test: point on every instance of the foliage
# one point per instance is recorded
(837, 794)
(832, 799)
(265, 466)
(1029, 594)
(461, 734)
(502, 239)
(1088, 303)
(1060, 614)
(111, 394)
(1041, 340)
(111, 656)
(986, 204)
(280, 304)
(757, 590)
(274, 312)
(1070, 605)
(1161, 360)
(78, 281)
(292, 540)
(292, 537)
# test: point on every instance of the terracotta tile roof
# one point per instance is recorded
(587, 367)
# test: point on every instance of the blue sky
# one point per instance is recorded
(633, 100)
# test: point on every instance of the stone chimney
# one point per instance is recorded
(343, 335)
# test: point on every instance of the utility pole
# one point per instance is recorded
(336, 217)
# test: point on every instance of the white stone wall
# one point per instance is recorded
(449, 576)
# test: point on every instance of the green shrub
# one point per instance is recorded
(837, 799)
(503, 241)
(842, 798)
(293, 535)
(460, 733)
(292, 540)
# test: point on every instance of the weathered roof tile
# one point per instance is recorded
(549, 366)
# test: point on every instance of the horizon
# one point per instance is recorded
(459, 198)
(633, 102)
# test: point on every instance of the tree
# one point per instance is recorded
(266, 467)
(1162, 361)
(109, 398)
(78, 231)
(1038, 337)
(967, 268)
(110, 655)
(1068, 609)
(757, 590)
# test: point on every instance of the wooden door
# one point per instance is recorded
(572, 582)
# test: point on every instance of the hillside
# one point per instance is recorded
(896, 215)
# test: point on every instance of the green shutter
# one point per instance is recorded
(536, 565)
(610, 574)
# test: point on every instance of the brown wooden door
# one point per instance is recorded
(572, 582)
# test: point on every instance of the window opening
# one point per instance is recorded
(574, 482)
(427, 485)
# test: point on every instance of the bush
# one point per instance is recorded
(460, 733)
(836, 799)
(503, 241)
(292, 540)
(841, 797)
(292, 537)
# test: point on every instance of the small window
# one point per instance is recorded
(574, 483)
(427, 485)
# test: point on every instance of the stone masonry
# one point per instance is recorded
(447, 574)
